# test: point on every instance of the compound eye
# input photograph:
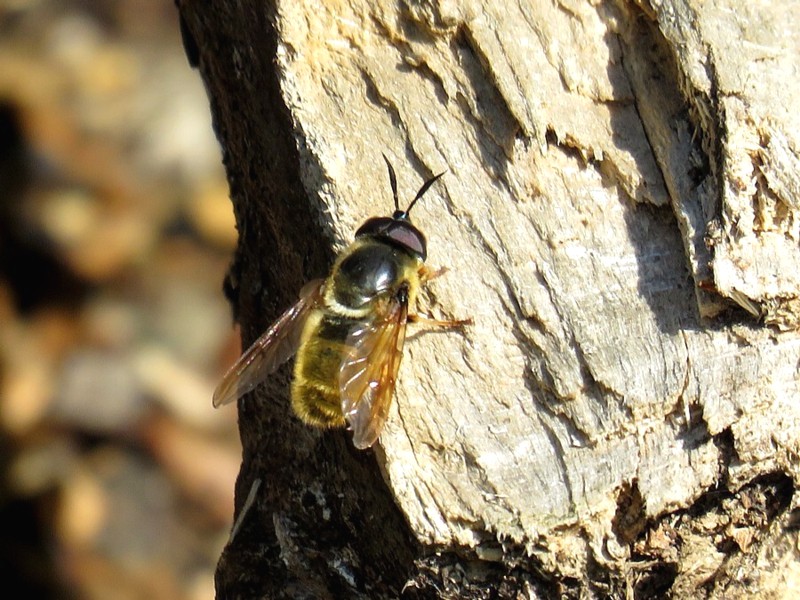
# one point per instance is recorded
(374, 226)
(406, 235)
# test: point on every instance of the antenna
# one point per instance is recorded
(393, 181)
(425, 187)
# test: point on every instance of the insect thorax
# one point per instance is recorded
(365, 270)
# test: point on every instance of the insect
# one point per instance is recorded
(348, 330)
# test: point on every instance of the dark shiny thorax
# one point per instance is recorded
(370, 269)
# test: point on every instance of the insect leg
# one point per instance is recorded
(426, 273)
(430, 322)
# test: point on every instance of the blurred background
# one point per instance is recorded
(115, 235)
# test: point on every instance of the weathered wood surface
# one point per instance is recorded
(622, 178)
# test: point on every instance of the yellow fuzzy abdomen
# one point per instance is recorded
(316, 398)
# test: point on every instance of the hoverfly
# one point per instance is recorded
(348, 330)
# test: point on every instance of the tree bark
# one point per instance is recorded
(620, 217)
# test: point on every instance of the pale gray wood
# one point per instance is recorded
(739, 63)
(576, 238)
(621, 177)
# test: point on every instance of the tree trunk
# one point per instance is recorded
(621, 218)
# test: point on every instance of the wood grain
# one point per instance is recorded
(621, 180)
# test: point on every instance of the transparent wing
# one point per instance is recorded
(369, 371)
(277, 345)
